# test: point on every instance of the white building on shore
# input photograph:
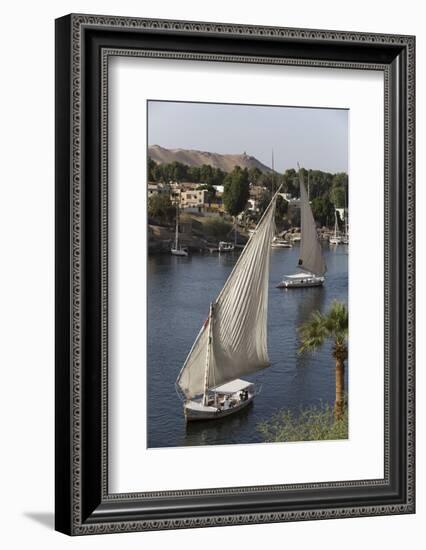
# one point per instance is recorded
(194, 198)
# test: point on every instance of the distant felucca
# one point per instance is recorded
(336, 238)
(233, 340)
(311, 260)
(277, 241)
(177, 250)
(345, 239)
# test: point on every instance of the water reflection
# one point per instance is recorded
(202, 432)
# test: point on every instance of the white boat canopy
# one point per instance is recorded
(233, 386)
(299, 276)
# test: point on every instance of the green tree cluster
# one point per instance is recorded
(339, 190)
(177, 171)
(281, 208)
(323, 211)
(254, 175)
(236, 191)
(160, 208)
(334, 187)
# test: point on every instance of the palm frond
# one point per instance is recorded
(320, 327)
(313, 333)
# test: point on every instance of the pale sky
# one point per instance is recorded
(314, 138)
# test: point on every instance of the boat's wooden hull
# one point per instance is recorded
(213, 413)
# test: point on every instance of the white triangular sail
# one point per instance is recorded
(336, 225)
(239, 319)
(310, 259)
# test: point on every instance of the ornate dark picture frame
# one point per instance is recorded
(83, 45)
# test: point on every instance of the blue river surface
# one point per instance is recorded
(179, 293)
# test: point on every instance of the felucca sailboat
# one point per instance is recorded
(345, 239)
(311, 260)
(233, 340)
(177, 250)
(336, 238)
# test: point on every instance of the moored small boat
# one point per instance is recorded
(277, 242)
(179, 251)
(226, 247)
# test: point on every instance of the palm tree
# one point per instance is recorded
(332, 325)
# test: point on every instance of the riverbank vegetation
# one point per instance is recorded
(315, 423)
(217, 228)
(160, 208)
(177, 171)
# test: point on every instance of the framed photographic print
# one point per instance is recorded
(234, 274)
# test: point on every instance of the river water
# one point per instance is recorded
(179, 293)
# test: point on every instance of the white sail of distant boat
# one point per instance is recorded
(277, 240)
(177, 250)
(335, 239)
(311, 260)
(233, 340)
(345, 239)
